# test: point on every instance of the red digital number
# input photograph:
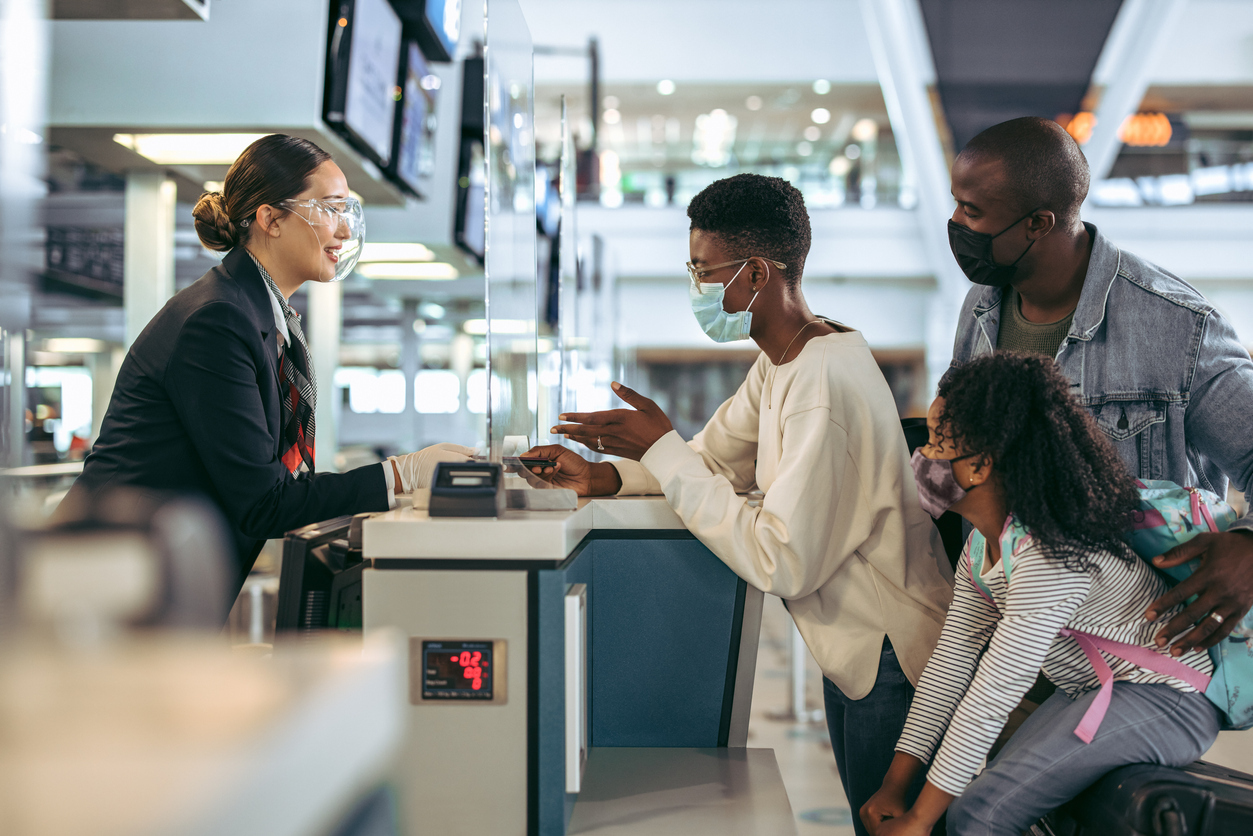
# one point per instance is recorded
(476, 684)
(464, 659)
(474, 659)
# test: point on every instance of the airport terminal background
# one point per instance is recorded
(111, 128)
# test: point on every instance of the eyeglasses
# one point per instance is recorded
(697, 273)
(329, 213)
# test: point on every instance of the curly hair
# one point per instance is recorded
(1061, 476)
(756, 216)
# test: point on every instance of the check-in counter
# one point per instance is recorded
(545, 644)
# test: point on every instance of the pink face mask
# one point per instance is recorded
(938, 489)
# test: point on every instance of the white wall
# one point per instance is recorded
(251, 64)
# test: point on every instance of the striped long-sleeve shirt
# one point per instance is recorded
(965, 701)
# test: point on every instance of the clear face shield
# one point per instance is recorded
(336, 223)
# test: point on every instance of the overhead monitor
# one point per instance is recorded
(363, 67)
(415, 124)
(469, 230)
(435, 23)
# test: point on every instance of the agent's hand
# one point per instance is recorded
(575, 472)
(417, 469)
(620, 432)
(887, 803)
(1223, 585)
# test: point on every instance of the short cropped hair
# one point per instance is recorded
(756, 216)
(1043, 164)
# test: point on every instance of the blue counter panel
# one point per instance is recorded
(664, 618)
(663, 621)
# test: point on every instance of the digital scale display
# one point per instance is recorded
(457, 670)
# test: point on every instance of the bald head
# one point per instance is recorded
(1041, 165)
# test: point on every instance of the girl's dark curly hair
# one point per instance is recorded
(1062, 477)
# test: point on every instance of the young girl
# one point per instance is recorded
(1021, 460)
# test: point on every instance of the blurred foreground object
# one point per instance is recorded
(182, 736)
(124, 559)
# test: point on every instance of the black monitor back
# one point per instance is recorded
(319, 584)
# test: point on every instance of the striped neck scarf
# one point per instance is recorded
(299, 388)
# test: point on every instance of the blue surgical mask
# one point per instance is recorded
(722, 327)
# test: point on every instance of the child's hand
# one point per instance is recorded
(884, 806)
(905, 825)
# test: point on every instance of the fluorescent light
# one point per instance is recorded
(478, 327)
(438, 270)
(820, 115)
(665, 87)
(383, 251)
(212, 185)
(822, 87)
(74, 345)
(188, 149)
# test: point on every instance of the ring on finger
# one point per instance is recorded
(1216, 617)
(601, 448)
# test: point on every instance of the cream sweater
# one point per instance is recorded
(840, 534)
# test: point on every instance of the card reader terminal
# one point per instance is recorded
(467, 489)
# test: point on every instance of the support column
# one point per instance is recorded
(15, 419)
(104, 367)
(322, 328)
(148, 248)
(898, 42)
(1125, 65)
(23, 104)
(410, 365)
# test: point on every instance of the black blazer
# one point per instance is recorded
(196, 409)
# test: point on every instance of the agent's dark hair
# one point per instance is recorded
(756, 216)
(1043, 165)
(1062, 477)
(272, 169)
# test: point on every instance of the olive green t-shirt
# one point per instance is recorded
(1019, 334)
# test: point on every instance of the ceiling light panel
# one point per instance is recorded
(188, 149)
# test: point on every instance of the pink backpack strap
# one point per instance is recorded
(1141, 657)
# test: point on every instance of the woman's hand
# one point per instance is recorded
(885, 805)
(620, 432)
(575, 472)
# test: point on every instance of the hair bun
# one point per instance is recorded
(213, 223)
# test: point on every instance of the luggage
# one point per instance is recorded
(1145, 800)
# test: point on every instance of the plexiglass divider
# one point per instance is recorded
(510, 232)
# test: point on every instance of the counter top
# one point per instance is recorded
(517, 535)
(178, 735)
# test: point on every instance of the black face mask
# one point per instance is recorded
(973, 251)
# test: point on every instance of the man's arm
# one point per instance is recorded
(1219, 425)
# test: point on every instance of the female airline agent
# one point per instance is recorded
(217, 394)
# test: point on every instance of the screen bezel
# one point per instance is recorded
(417, 672)
(335, 95)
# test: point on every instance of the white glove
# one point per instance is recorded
(417, 469)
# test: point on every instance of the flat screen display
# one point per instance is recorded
(470, 231)
(457, 670)
(415, 157)
(444, 17)
(373, 69)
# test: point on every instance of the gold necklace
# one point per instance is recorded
(782, 359)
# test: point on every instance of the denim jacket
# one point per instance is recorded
(1160, 370)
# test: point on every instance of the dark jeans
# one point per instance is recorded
(864, 732)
